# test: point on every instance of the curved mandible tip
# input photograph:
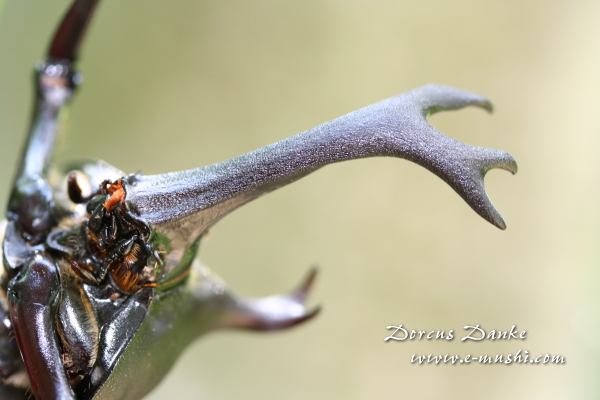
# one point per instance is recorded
(432, 98)
(465, 166)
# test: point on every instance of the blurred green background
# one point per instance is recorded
(177, 84)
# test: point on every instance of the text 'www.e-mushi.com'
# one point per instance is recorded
(520, 357)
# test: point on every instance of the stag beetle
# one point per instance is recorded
(100, 286)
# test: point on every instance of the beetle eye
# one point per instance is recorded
(78, 187)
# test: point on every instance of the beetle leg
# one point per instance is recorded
(31, 201)
(32, 296)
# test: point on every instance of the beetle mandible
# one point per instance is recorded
(100, 267)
